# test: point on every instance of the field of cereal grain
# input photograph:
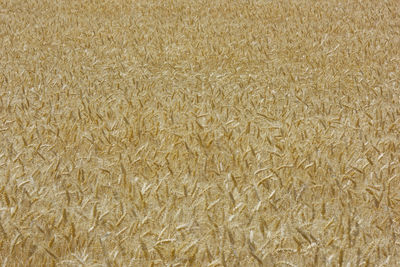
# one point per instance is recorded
(199, 133)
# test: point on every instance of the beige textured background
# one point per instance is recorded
(199, 133)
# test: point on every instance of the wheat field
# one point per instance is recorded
(199, 133)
